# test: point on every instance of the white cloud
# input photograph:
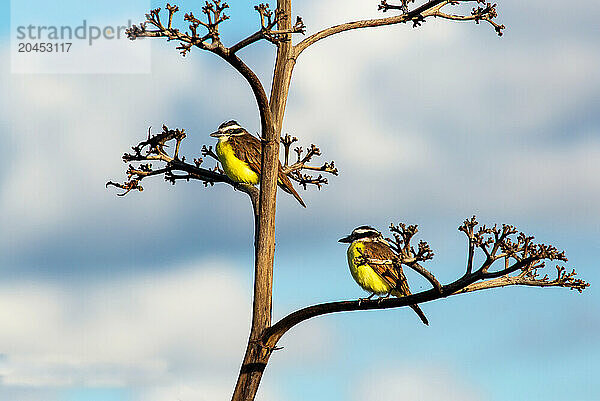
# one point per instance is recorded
(124, 330)
(179, 333)
(415, 383)
(203, 390)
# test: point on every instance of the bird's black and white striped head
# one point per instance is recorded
(229, 128)
(364, 233)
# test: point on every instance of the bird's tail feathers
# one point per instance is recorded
(286, 185)
(414, 307)
(419, 312)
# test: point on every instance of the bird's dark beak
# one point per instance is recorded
(216, 134)
(346, 240)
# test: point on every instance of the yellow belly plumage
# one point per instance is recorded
(236, 169)
(363, 274)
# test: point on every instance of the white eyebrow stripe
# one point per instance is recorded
(231, 127)
(364, 230)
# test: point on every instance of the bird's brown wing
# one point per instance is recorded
(247, 148)
(382, 256)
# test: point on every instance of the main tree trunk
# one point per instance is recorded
(257, 355)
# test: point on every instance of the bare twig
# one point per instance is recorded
(303, 157)
(428, 9)
(268, 21)
(407, 255)
(214, 16)
(486, 13)
(384, 6)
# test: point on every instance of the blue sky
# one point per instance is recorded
(118, 299)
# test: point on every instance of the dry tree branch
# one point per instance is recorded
(153, 149)
(268, 21)
(521, 256)
(384, 6)
(213, 16)
(418, 15)
(302, 159)
(486, 13)
(407, 255)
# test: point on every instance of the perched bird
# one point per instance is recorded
(380, 276)
(239, 153)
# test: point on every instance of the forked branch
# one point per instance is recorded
(407, 255)
(486, 13)
(384, 6)
(210, 38)
(268, 21)
(303, 157)
(173, 167)
(418, 15)
(521, 258)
